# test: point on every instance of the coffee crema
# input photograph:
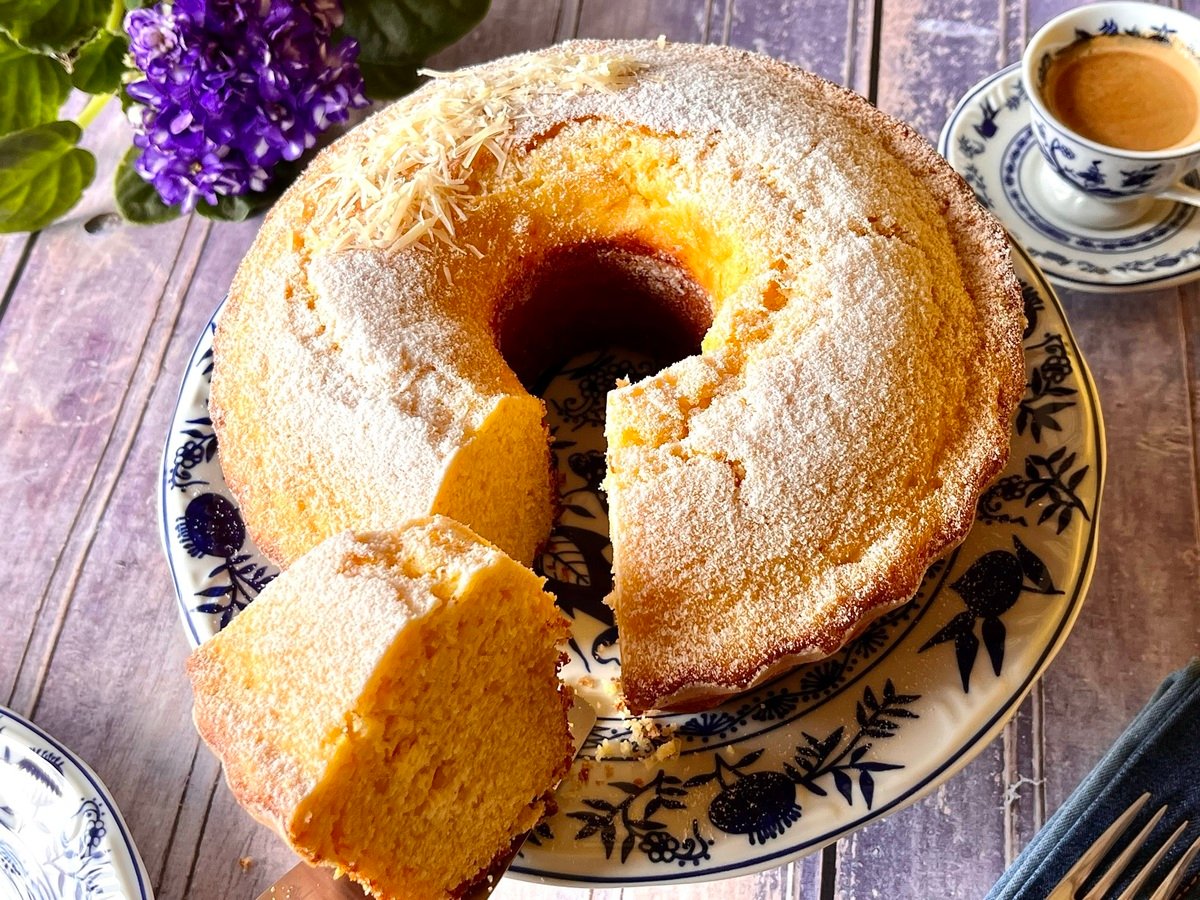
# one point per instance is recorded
(1127, 92)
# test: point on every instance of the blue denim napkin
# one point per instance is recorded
(1159, 752)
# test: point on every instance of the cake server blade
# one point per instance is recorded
(305, 882)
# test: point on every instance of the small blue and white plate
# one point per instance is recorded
(61, 836)
(989, 141)
(815, 754)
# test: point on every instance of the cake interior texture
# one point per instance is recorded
(368, 706)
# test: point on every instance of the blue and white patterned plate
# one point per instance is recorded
(61, 836)
(815, 754)
(989, 141)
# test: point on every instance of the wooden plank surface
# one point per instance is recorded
(931, 52)
(1141, 620)
(96, 326)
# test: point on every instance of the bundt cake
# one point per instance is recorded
(361, 706)
(844, 318)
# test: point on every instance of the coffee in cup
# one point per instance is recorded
(1114, 104)
(1135, 93)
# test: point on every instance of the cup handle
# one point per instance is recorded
(1182, 193)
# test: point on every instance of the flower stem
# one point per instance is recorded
(116, 17)
(92, 109)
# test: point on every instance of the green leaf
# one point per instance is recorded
(137, 200)
(42, 175)
(243, 206)
(126, 100)
(16, 15)
(384, 81)
(32, 88)
(396, 36)
(232, 208)
(101, 63)
(52, 26)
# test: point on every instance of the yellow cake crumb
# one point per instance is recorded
(669, 750)
(326, 702)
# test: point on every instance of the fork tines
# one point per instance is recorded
(1087, 864)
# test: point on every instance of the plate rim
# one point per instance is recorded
(139, 867)
(955, 762)
(164, 530)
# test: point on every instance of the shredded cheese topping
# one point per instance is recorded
(412, 183)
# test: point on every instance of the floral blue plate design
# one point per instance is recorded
(815, 754)
(61, 836)
(988, 139)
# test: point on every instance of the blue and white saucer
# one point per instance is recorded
(61, 835)
(989, 141)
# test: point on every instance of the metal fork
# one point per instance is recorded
(1086, 865)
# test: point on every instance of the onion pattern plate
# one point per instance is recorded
(61, 835)
(796, 764)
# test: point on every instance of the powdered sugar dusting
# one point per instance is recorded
(767, 496)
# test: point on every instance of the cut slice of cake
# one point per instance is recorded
(365, 706)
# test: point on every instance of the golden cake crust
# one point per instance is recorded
(818, 228)
(668, 667)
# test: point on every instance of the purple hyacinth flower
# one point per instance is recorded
(230, 89)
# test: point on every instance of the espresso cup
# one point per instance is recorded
(1096, 183)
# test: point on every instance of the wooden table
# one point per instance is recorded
(98, 319)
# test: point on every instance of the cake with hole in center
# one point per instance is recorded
(842, 316)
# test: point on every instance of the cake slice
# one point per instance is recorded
(366, 704)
